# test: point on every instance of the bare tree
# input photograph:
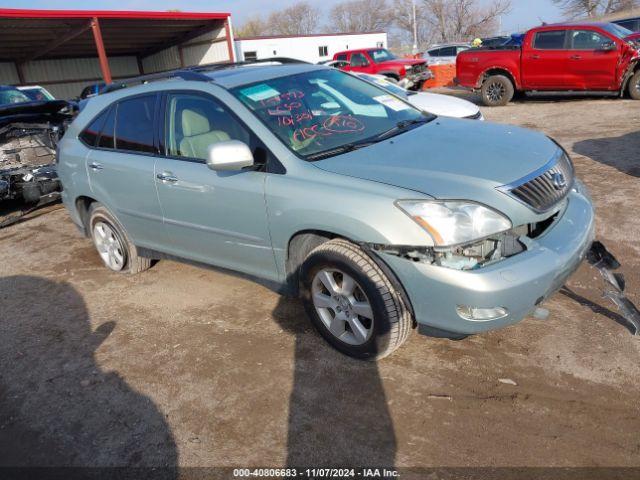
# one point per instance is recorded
(402, 14)
(253, 27)
(594, 8)
(360, 16)
(454, 20)
(298, 19)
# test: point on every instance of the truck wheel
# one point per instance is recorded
(113, 245)
(352, 303)
(497, 91)
(634, 86)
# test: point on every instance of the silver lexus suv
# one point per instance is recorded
(381, 217)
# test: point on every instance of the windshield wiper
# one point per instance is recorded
(403, 126)
(348, 147)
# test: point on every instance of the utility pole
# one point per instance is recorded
(415, 27)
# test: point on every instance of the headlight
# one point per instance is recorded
(455, 222)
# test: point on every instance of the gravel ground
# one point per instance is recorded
(190, 366)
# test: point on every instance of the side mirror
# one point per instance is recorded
(607, 46)
(229, 155)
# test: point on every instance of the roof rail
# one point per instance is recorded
(192, 73)
(217, 66)
(184, 74)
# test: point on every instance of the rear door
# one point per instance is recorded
(121, 166)
(545, 61)
(211, 216)
(591, 65)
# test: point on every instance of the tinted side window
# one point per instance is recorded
(106, 136)
(342, 57)
(359, 60)
(134, 124)
(586, 40)
(194, 122)
(434, 53)
(551, 40)
(448, 52)
(90, 134)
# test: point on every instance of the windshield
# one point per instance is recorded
(326, 111)
(381, 55)
(37, 94)
(9, 96)
(617, 30)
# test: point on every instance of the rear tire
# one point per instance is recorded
(361, 314)
(634, 86)
(497, 91)
(115, 248)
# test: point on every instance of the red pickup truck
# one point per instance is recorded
(580, 57)
(412, 73)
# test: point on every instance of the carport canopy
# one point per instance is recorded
(27, 35)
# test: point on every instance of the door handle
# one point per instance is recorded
(535, 57)
(95, 166)
(167, 177)
(575, 57)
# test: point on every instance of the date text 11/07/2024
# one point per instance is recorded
(315, 473)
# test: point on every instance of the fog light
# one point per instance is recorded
(477, 314)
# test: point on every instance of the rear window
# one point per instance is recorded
(134, 124)
(550, 40)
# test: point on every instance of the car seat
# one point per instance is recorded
(197, 134)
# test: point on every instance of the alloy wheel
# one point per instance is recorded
(342, 306)
(109, 246)
(496, 91)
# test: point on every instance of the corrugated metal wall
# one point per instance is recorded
(208, 48)
(55, 74)
(8, 73)
(65, 78)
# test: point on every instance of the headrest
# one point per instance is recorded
(194, 123)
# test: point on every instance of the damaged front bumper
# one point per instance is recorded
(440, 296)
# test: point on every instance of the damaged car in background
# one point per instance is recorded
(29, 133)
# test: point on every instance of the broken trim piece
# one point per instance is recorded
(601, 259)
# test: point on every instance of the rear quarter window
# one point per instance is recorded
(91, 133)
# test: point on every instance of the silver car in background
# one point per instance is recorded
(381, 217)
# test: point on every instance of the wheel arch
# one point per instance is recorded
(83, 205)
(630, 72)
(303, 242)
(498, 71)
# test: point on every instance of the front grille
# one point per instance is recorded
(544, 188)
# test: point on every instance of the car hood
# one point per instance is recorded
(443, 105)
(451, 159)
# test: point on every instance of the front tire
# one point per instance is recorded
(634, 86)
(352, 303)
(497, 91)
(115, 248)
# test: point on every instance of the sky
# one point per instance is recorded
(524, 14)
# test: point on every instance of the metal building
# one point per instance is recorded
(66, 50)
(310, 48)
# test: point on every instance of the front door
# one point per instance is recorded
(591, 65)
(545, 62)
(216, 217)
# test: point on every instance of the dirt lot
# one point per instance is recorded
(197, 367)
